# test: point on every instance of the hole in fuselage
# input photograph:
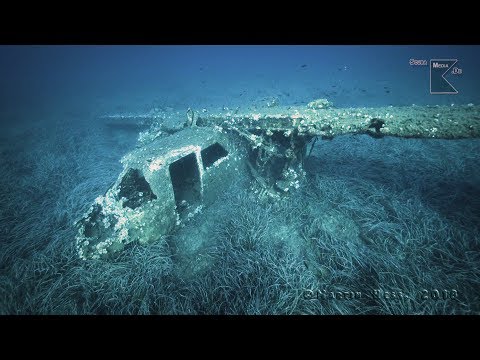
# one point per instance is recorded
(135, 189)
(185, 177)
(212, 153)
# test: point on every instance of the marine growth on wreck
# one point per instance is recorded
(183, 161)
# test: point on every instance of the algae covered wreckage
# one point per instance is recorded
(183, 161)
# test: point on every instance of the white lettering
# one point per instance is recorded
(437, 65)
(417, 62)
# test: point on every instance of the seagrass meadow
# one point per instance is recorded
(238, 180)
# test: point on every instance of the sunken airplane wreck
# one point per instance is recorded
(182, 162)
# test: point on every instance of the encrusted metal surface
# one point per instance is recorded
(185, 159)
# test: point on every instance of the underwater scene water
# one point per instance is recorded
(239, 179)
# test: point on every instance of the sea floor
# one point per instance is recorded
(380, 226)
